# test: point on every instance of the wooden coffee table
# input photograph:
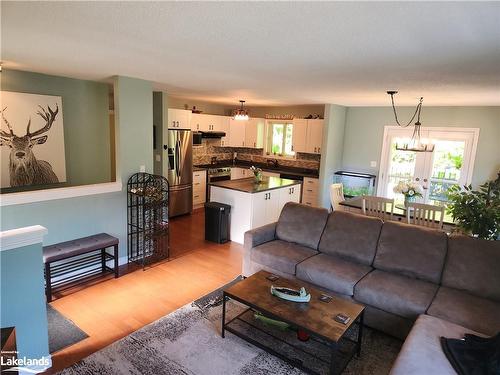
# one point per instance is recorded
(314, 317)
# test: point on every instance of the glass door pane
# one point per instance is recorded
(402, 166)
(446, 169)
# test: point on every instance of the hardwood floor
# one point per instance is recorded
(114, 308)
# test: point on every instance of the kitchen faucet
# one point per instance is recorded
(273, 162)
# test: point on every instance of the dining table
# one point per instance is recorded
(399, 211)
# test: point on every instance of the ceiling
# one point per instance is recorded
(269, 53)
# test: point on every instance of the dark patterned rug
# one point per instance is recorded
(188, 341)
(62, 331)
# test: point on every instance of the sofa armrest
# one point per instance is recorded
(260, 235)
(253, 238)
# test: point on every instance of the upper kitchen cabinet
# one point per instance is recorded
(307, 136)
(254, 133)
(237, 129)
(299, 140)
(314, 136)
(214, 123)
(225, 127)
(179, 118)
(199, 122)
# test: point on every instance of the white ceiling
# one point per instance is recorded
(269, 53)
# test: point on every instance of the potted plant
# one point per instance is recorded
(409, 189)
(476, 212)
(257, 174)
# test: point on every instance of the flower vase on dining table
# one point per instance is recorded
(410, 199)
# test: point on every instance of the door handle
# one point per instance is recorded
(319, 150)
(425, 180)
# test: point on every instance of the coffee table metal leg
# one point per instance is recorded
(223, 313)
(360, 332)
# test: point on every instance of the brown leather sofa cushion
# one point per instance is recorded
(301, 224)
(351, 236)
(473, 265)
(412, 251)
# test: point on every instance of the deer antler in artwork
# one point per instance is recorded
(49, 117)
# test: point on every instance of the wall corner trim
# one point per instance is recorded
(14, 238)
(10, 199)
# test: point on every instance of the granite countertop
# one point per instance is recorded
(304, 172)
(248, 185)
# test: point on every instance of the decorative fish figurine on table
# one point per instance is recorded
(291, 294)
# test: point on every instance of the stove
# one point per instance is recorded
(218, 174)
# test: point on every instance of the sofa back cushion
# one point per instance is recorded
(473, 265)
(301, 224)
(351, 236)
(411, 250)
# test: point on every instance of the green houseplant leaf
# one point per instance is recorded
(477, 212)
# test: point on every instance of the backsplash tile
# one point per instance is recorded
(211, 148)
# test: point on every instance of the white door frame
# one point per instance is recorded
(384, 155)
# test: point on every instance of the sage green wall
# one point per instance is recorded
(365, 127)
(86, 121)
(71, 218)
(23, 299)
(332, 149)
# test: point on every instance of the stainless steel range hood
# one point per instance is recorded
(212, 134)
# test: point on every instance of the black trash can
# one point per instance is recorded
(217, 222)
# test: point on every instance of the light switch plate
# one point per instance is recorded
(373, 164)
(158, 158)
(142, 168)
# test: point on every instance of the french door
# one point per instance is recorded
(451, 162)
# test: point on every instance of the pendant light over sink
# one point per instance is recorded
(416, 144)
(241, 114)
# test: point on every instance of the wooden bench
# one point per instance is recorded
(90, 261)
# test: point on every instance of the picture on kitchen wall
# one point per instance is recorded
(31, 140)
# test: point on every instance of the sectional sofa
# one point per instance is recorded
(417, 283)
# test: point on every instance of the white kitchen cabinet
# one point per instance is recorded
(237, 173)
(178, 118)
(299, 138)
(290, 194)
(199, 188)
(224, 127)
(265, 207)
(314, 136)
(214, 123)
(199, 122)
(237, 129)
(254, 133)
(310, 192)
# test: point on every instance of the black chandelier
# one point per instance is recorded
(415, 143)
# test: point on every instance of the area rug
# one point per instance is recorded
(188, 341)
(62, 331)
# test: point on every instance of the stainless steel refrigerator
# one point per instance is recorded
(180, 171)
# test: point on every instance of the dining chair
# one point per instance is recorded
(336, 196)
(378, 207)
(425, 215)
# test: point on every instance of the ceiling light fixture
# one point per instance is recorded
(416, 144)
(241, 114)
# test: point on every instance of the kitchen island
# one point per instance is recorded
(254, 204)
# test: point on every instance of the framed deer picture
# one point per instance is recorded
(31, 140)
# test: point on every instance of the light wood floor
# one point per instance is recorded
(114, 308)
